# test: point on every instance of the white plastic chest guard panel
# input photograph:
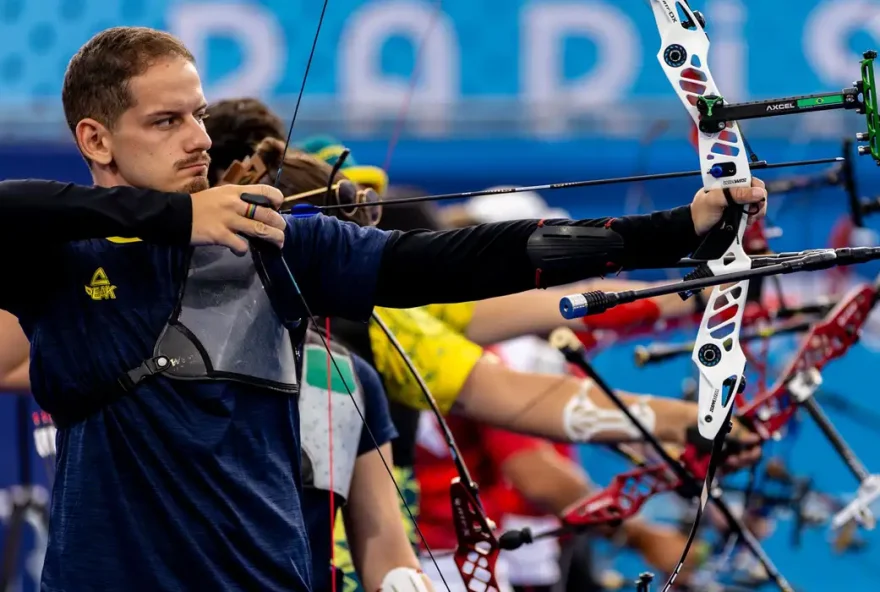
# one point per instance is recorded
(316, 407)
(225, 326)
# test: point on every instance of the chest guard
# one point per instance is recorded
(225, 326)
(323, 397)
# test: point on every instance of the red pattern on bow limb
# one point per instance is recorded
(477, 551)
(623, 498)
(627, 492)
(827, 340)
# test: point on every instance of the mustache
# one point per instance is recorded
(194, 161)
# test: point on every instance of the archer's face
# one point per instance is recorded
(161, 142)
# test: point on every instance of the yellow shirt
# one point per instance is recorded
(456, 316)
(440, 353)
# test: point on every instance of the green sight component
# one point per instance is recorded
(869, 105)
(708, 103)
(861, 97)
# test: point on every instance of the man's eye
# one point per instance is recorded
(167, 122)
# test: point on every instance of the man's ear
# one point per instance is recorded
(93, 140)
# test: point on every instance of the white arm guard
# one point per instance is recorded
(404, 579)
(583, 419)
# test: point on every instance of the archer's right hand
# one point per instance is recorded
(220, 216)
(708, 206)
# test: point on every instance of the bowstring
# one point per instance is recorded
(413, 81)
(313, 322)
(302, 89)
(332, 494)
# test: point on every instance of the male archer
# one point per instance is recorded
(178, 442)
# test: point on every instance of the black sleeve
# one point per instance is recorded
(36, 210)
(489, 260)
(656, 239)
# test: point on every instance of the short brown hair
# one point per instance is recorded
(236, 127)
(97, 77)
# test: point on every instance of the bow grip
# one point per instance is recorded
(732, 445)
(697, 452)
(718, 240)
(721, 236)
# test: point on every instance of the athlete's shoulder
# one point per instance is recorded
(442, 356)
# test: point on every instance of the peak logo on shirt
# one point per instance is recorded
(100, 287)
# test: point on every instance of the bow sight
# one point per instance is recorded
(715, 114)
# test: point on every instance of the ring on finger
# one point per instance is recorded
(251, 211)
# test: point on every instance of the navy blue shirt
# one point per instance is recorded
(316, 503)
(180, 485)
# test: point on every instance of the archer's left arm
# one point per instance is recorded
(346, 270)
(490, 260)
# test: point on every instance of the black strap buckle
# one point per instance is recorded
(149, 367)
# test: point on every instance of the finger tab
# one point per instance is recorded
(256, 200)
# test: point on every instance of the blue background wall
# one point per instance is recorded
(507, 95)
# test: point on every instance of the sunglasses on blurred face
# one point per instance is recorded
(345, 195)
